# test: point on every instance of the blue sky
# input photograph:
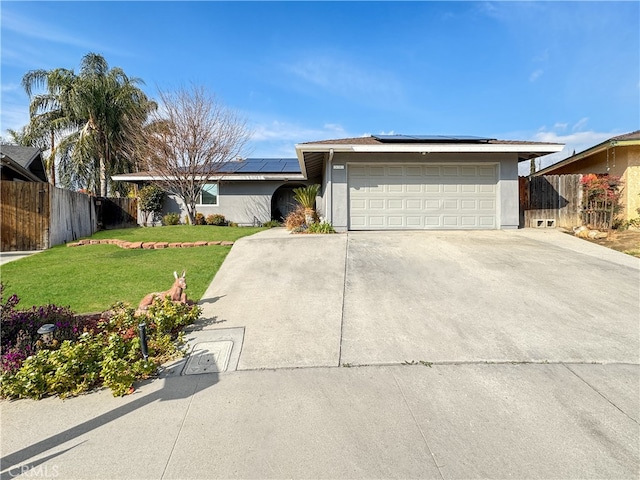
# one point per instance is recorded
(302, 71)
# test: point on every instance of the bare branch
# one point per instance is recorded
(190, 138)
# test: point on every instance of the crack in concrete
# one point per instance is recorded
(415, 421)
(599, 392)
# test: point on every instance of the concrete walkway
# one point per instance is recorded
(6, 257)
(457, 396)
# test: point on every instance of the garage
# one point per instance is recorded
(422, 196)
(419, 182)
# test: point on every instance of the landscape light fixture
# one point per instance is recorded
(46, 331)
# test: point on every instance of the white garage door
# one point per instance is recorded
(387, 197)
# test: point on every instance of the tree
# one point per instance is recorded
(93, 116)
(190, 137)
(151, 197)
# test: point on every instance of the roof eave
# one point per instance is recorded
(541, 149)
(160, 178)
(15, 166)
(601, 147)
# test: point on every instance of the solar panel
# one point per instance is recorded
(430, 139)
(291, 165)
(249, 166)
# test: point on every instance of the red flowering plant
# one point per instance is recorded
(601, 199)
(601, 189)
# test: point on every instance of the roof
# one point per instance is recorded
(311, 154)
(244, 169)
(626, 139)
(422, 139)
(23, 156)
(25, 162)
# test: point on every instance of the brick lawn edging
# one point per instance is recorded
(148, 245)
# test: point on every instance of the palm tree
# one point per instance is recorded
(48, 115)
(94, 115)
(306, 197)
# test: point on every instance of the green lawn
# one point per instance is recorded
(91, 278)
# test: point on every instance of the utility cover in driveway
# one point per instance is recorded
(209, 357)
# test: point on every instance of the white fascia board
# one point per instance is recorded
(155, 178)
(460, 148)
(435, 148)
(301, 162)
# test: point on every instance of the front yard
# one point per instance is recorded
(627, 241)
(91, 278)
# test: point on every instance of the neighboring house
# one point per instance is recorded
(21, 164)
(379, 182)
(618, 156)
(389, 182)
(248, 192)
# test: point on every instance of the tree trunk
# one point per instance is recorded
(102, 178)
(309, 216)
(52, 160)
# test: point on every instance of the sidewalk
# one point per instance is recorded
(444, 421)
(6, 257)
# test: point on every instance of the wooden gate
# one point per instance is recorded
(551, 201)
(116, 212)
(24, 215)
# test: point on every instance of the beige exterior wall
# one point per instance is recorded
(621, 161)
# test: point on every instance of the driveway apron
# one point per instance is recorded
(287, 292)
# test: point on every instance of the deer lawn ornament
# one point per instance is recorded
(176, 293)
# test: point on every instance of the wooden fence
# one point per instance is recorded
(36, 216)
(551, 201)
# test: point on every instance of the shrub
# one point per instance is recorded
(108, 354)
(19, 336)
(295, 218)
(321, 227)
(216, 219)
(271, 224)
(171, 219)
(150, 201)
(233, 224)
(200, 219)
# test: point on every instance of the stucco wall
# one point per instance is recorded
(621, 161)
(242, 202)
(508, 215)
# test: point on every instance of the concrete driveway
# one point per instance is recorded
(461, 300)
(367, 298)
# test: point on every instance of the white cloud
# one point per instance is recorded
(284, 131)
(536, 75)
(580, 124)
(49, 32)
(278, 138)
(345, 78)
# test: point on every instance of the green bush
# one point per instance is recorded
(321, 227)
(216, 219)
(272, 224)
(150, 202)
(171, 219)
(110, 357)
(200, 219)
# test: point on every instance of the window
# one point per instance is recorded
(209, 194)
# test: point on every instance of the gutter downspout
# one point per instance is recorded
(329, 188)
